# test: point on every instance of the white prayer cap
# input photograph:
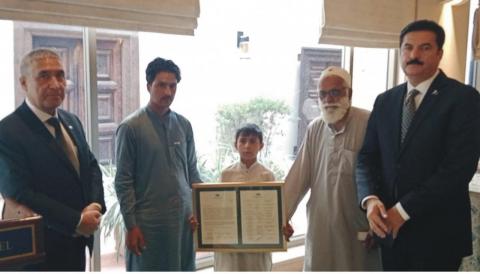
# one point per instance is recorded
(339, 72)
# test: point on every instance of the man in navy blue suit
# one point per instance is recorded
(47, 168)
(420, 152)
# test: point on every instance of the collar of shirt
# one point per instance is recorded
(422, 88)
(43, 116)
(164, 119)
(334, 132)
(244, 167)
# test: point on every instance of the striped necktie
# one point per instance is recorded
(408, 111)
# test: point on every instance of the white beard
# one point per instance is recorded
(332, 113)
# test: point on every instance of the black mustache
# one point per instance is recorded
(414, 62)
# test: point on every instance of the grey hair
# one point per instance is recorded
(33, 55)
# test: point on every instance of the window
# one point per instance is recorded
(370, 71)
(264, 73)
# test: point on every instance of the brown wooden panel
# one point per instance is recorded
(106, 143)
(312, 62)
(117, 74)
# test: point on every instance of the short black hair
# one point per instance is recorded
(426, 25)
(249, 129)
(158, 65)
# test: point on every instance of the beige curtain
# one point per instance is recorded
(165, 16)
(365, 23)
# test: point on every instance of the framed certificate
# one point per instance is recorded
(239, 217)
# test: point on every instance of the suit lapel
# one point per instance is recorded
(39, 128)
(72, 132)
(75, 132)
(425, 108)
(33, 123)
(396, 119)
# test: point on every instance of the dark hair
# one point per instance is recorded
(249, 129)
(426, 25)
(158, 65)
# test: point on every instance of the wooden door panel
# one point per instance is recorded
(109, 79)
(117, 74)
(71, 53)
(312, 62)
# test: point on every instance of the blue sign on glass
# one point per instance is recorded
(15, 242)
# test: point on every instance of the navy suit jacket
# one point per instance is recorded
(36, 172)
(430, 171)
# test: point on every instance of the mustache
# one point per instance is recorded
(414, 62)
(331, 105)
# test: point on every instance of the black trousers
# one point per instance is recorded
(400, 258)
(63, 253)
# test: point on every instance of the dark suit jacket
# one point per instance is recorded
(35, 171)
(429, 173)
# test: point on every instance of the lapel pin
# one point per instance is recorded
(70, 127)
(435, 92)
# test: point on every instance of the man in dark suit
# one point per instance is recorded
(47, 168)
(419, 154)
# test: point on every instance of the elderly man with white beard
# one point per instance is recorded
(337, 235)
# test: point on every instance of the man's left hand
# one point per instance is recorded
(287, 231)
(93, 206)
(394, 220)
(193, 223)
(89, 222)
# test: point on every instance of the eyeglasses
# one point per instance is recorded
(335, 92)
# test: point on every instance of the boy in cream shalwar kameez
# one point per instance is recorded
(248, 142)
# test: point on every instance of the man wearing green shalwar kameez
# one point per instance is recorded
(156, 166)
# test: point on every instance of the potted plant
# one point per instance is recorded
(112, 222)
